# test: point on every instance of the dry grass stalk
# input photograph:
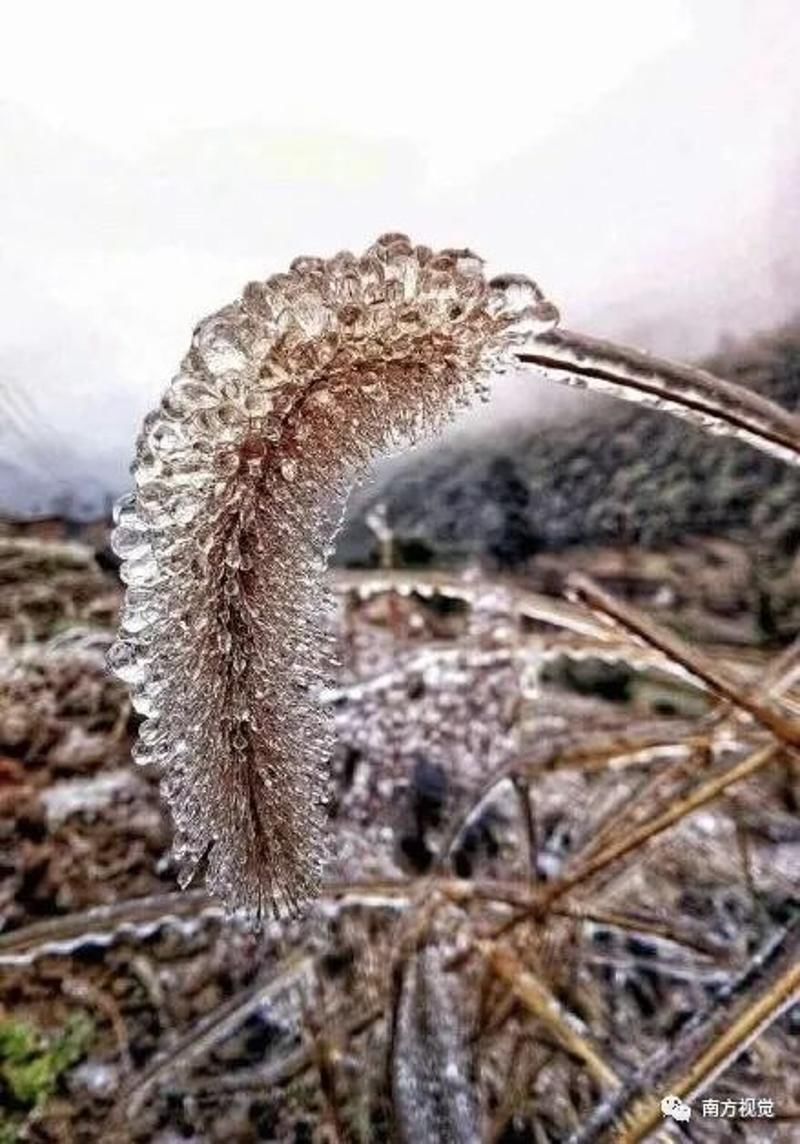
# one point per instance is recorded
(696, 663)
(708, 1044)
(224, 1020)
(536, 996)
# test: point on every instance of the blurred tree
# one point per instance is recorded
(510, 540)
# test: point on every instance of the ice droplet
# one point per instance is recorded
(125, 661)
(129, 543)
(140, 571)
(124, 506)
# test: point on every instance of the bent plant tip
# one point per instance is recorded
(241, 476)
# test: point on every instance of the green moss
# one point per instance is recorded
(31, 1065)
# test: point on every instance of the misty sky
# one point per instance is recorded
(640, 160)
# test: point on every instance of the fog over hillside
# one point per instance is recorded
(639, 160)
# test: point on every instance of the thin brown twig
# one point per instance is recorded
(521, 895)
(634, 621)
(323, 1054)
(623, 814)
(529, 832)
(777, 677)
(589, 751)
(201, 1037)
(703, 794)
(264, 1077)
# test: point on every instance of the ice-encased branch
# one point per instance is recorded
(696, 395)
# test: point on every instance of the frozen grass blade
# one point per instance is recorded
(713, 404)
(104, 925)
(703, 794)
(434, 1097)
(223, 1021)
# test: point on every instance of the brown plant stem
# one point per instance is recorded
(703, 794)
(539, 1000)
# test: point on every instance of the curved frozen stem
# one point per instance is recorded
(523, 602)
(694, 394)
(540, 650)
(587, 635)
(103, 925)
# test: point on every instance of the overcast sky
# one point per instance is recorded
(641, 160)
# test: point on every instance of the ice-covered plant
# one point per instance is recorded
(241, 475)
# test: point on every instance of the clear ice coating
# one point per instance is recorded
(241, 475)
(713, 404)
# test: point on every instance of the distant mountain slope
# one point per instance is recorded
(624, 475)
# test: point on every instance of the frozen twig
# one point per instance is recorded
(702, 794)
(104, 925)
(710, 402)
(223, 1021)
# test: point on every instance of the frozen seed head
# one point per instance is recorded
(241, 476)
